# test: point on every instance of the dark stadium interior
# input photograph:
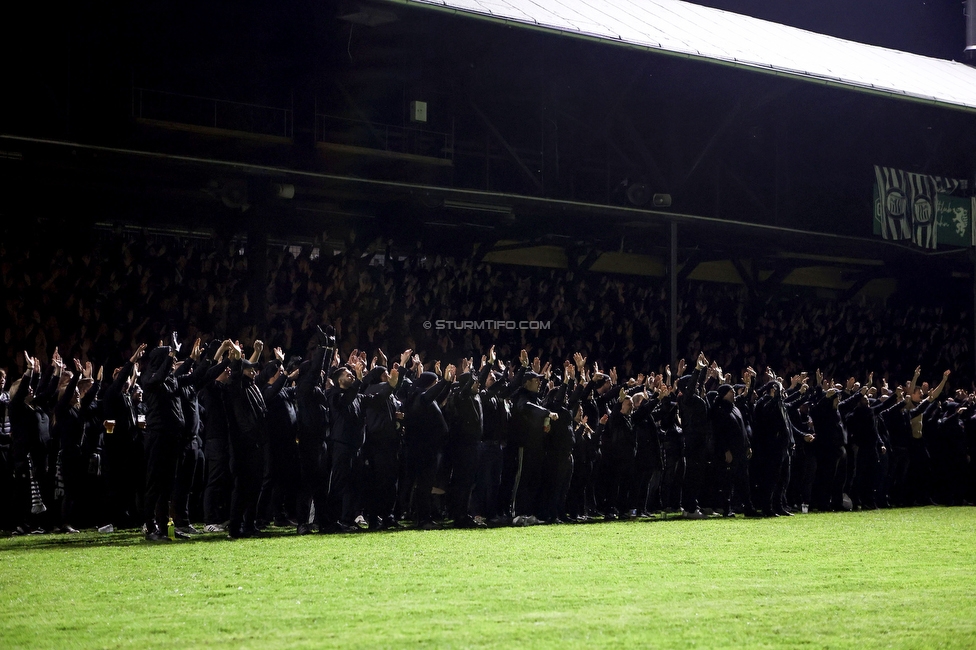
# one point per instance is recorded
(183, 115)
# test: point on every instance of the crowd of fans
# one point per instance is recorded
(243, 415)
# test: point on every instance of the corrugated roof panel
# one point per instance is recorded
(619, 22)
(703, 32)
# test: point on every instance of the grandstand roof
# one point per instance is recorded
(684, 29)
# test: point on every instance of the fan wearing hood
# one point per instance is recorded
(279, 489)
(831, 448)
(949, 455)
(487, 500)
(467, 431)
(381, 451)
(313, 429)
(774, 439)
(696, 431)
(564, 401)
(733, 445)
(248, 436)
(189, 469)
(862, 424)
(425, 434)
(163, 436)
(215, 399)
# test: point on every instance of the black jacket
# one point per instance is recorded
(313, 408)
(161, 394)
(249, 414)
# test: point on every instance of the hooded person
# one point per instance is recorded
(165, 424)
(313, 431)
(279, 490)
(734, 449)
(381, 451)
(468, 426)
(696, 434)
(774, 437)
(831, 448)
(248, 437)
(426, 433)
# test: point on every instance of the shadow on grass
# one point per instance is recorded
(30, 543)
(134, 537)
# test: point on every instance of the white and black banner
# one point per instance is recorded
(908, 203)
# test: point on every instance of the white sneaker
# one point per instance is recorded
(214, 528)
(107, 528)
(189, 529)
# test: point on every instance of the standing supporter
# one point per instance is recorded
(672, 451)
(466, 436)
(531, 423)
(30, 431)
(279, 488)
(383, 416)
(488, 498)
(949, 456)
(559, 461)
(6, 466)
(248, 437)
(425, 435)
(313, 431)
(896, 416)
(76, 401)
(924, 428)
(215, 399)
(732, 441)
(862, 424)
(123, 458)
(191, 462)
(696, 430)
(620, 457)
(649, 463)
(831, 446)
(773, 441)
(345, 444)
(165, 424)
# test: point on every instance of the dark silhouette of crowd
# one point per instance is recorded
(161, 382)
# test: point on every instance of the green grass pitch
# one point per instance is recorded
(895, 578)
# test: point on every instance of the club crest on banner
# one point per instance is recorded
(905, 206)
